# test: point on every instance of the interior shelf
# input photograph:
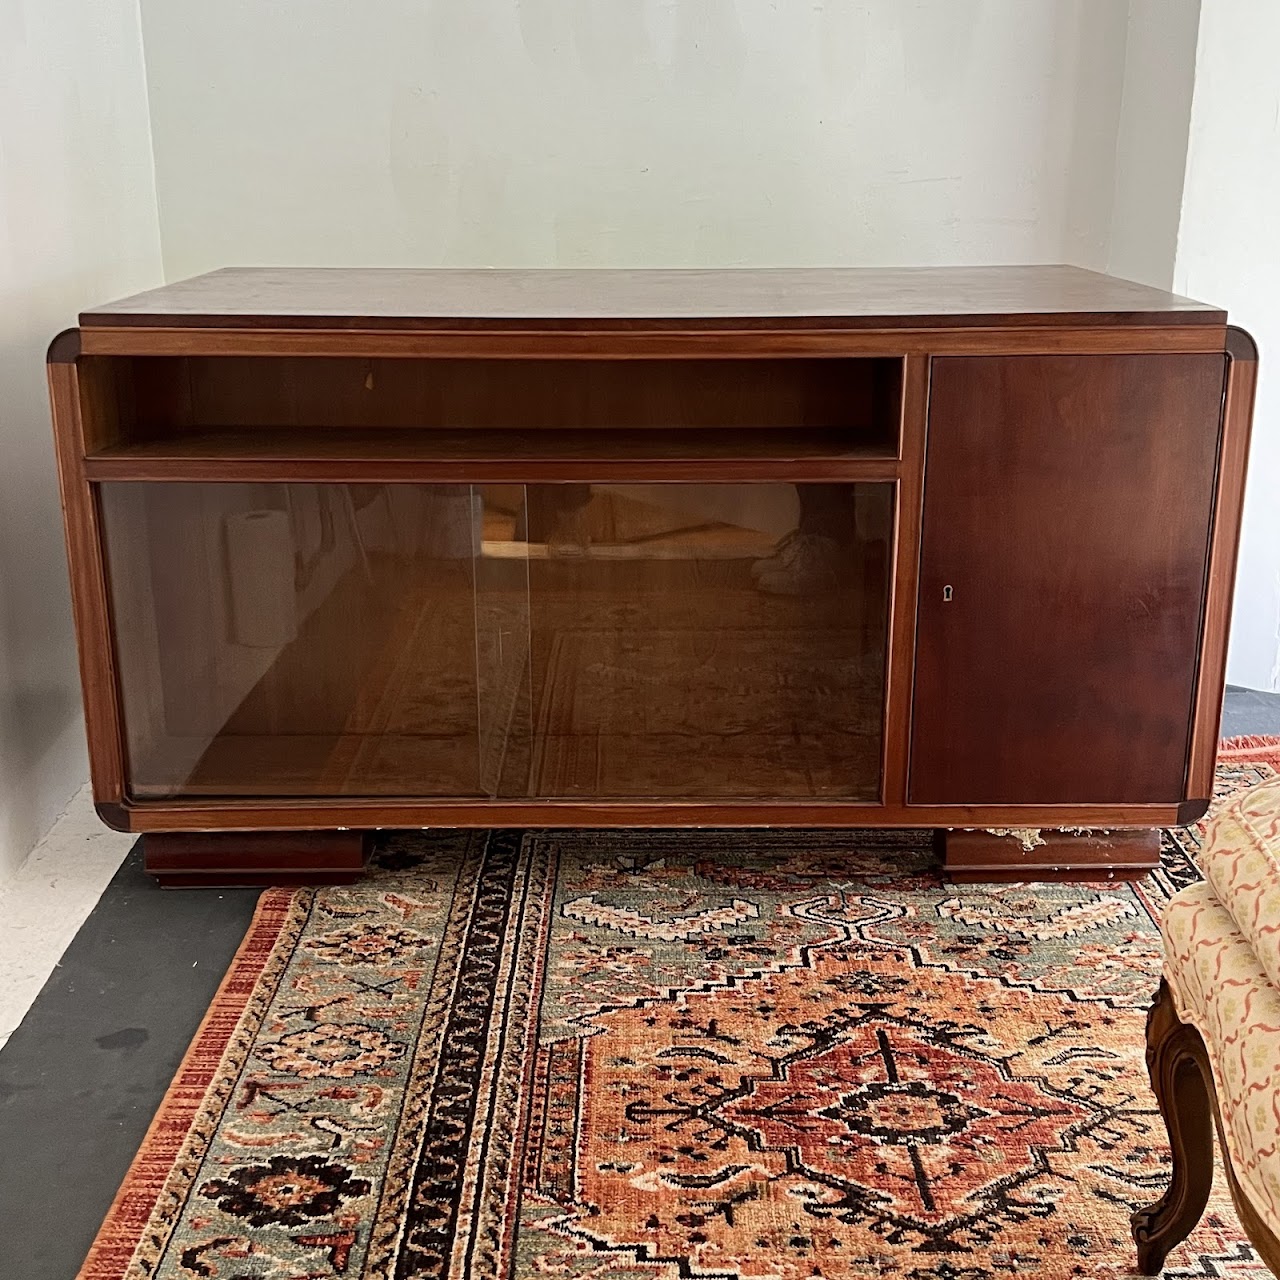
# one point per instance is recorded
(502, 455)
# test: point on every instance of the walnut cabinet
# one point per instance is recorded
(358, 549)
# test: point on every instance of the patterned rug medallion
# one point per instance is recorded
(656, 1054)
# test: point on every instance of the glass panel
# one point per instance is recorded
(594, 642)
(707, 640)
(295, 640)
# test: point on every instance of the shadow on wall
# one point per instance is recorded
(78, 225)
(42, 759)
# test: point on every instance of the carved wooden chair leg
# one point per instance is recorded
(1175, 1054)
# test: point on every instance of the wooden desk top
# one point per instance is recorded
(631, 300)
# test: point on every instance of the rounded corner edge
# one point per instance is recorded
(65, 348)
(1241, 344)
(1190, 811)
(116, 816)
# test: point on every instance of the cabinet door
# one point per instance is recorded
(1066, 522)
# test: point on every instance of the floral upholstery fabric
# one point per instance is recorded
(1241, 860)
(1221, 989)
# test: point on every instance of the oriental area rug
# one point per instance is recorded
(654, 1054)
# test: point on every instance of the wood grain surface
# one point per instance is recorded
(747, 298)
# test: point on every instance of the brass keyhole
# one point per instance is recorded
(946, 595)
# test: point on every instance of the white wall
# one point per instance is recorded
(1229, 253)
(77, 225)
(740, 132)
(584, 132)
(1151, 146)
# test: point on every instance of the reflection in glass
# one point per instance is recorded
(675, 641)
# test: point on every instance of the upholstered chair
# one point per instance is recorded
(1213, 1034)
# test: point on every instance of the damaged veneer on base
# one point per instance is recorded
(1013, 854)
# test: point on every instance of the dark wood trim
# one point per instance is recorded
(518, 345)
(969, 856)
(391, 812)
(113, 814)
(222, 859)
(89, 602)
(1190, 811)
(65, 347)
(1036, 874)
(1224, 544)
(1241, 345)
(1182, 1080)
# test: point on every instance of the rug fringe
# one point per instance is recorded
(1248, 742)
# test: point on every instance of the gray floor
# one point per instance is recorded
(82, 1075)
(1246, 711)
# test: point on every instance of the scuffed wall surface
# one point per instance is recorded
(571, 132)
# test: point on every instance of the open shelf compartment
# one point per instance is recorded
(492, 420)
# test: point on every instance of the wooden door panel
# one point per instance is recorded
(1067, 507)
